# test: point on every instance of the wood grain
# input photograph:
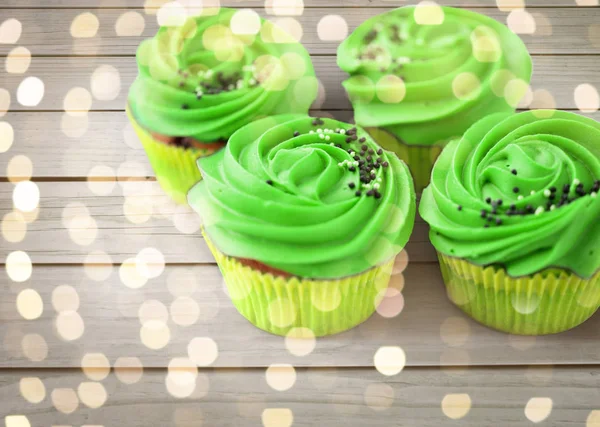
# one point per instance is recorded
(349, 397)
(134, 215)
(559, 75)
(109, 142)
(104, 4)
(429, 328)
(558, 30)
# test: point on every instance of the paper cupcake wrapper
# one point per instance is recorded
(175, 167)
(280, 304)
(419, 158)
(548, 302)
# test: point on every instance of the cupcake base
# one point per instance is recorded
(175, 167)
(419, 158)
(302, 307)
(548, 302)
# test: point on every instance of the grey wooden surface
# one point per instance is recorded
(337, 382)
(559, 75)
(356, 397)
(558, 30)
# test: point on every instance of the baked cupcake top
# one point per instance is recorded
(315, 198)
(213, 74)
(429, 72)
(521, 191)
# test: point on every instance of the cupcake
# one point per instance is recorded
(201, 81)
(421, 76)
(514, 213)
(305, 218)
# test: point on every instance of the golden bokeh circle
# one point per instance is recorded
(18, 266)
(95, 366)
(69, 325)
(34, 347)
(65, 400)
(379, 396)
(538, 409)
(32, 389)
(29, 304)
(18, 60)
(203, 351)
(456, 406)
(85, 25)
(10, 31)
(389, 360)
(130, 24)
(128, 370)
(280, 376)
(277, 417)
(19, 168)
(332, 28)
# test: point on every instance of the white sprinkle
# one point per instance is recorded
(343, 131)
(403, 60)
(539, 210)
(230, 87)
(547, 193)
(320, 130)
(332, 144)
(340, 164)
(520, 197)
(209, 74)
(352, 154)
(252, 82)
(376, 186)
(327, 138)
(576, 182)
(312, 131)
(532, 192)
(355, 163)
(321, 136)
(552, 207)
(240, 84)
(593, 194)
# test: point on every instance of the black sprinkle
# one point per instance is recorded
(364, 148)
(380, 151)
(199, 96)
(296, 133)
(269, 182)
(348, 139)
(356, 158)
(370, 192)
(566, 188)
(499, 202)
(486, 226)
(488, 200)
(459, 207)
(185, 107)
(352, 185)
(385, 164)
(514, 171)
(483, 213)
(352, 169)
(363, 139)
(371, 151)
(498, 221)
(358, 193)
(516, 190)
(553, 189)
(377, 194)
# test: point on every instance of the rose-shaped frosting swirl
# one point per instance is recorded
(521, 191)
(428, 72)
(213, 74)
(315, 198)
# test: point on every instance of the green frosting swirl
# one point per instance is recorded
(284, 192)
(544, 166)
(427, 73)
(204, 80)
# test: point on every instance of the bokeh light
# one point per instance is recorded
(16, 420)
(7, 135)
(300, 341)
(130, 24)
(521, 22)
(391, 301)
(428, 13)
(30, 92)
(389, 361)
(203, 351)
(98, 266)
(508, 5)
(171, 14)
(184, 311)
(587, 98)
(155, 334)
(106, 83)
(34, 347)
(95, 366)
(281, 377)
(74, 126)
(32, 389)
(85, 25)
(10, 31)
(18, 266)
(538, 409)
(332, 28)
(277, 417)
(153, 310)
(593, 419)
(26, 196)
(64, 400)
(400, 263)
(379, 396)
(18, 60)
(69, 325)
(150, 263)
(130, 275)
(454, 331)
(456, 406)
(77, 102)
(14, 227)
(4, 103)
(29, 304)
(19, 168)
(128, 370)
(245, 22)
(92, 394)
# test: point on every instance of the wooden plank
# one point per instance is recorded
(557, 30)
(557, 74)
(349, 397)
(428, 327)
(99, 153)
(126, 217)
(100, 4)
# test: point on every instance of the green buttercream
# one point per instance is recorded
(308, 221)
(270, 73)
(545, 149)
(452, 73)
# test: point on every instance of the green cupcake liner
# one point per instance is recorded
(280, 304)
(175, 167)
(548, 302)
(419, 158)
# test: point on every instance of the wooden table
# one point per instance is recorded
(86, 339)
